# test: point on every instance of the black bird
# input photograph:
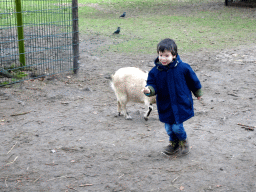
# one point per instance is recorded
(117, 31)
(123, 15)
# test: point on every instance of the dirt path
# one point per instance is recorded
(60, 134)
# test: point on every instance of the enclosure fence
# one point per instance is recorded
(38, 38)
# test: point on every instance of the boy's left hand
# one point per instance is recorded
(145, 90)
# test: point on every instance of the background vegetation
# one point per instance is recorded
(193, 24)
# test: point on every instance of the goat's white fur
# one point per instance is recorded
(127, 84)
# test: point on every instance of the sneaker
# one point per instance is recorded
(172, 148)
(184, 147)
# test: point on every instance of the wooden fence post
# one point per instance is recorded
(20, 33)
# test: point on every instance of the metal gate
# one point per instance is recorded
(37, 38)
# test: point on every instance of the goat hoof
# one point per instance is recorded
(146, 118)
(117, 114)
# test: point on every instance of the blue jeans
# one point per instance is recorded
(176, 132)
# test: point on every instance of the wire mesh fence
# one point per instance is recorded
(36, 39)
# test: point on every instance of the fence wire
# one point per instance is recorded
(47, 32)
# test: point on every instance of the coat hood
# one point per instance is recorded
(173, 64)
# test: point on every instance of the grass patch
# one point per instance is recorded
(194, 25)
(35, 12)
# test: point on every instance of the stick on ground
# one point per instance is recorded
(247, 127)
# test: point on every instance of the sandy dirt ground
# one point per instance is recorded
(60, 133)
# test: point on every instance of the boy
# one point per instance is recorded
(172, 81)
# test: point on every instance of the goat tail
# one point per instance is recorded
(111, 83)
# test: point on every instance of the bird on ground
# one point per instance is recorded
(123, 15)
(117, 31)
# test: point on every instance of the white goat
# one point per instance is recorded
(127, 84)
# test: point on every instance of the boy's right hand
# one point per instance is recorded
(145, 90)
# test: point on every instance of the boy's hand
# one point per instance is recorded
(145, 90)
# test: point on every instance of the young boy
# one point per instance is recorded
(172, 81)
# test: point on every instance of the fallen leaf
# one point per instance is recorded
(182, 188)
(65, 103)
(53, 151)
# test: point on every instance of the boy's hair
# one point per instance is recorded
(169, 45)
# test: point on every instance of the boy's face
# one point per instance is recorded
(165, 57)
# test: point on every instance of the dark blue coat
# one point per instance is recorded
(172, 86)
